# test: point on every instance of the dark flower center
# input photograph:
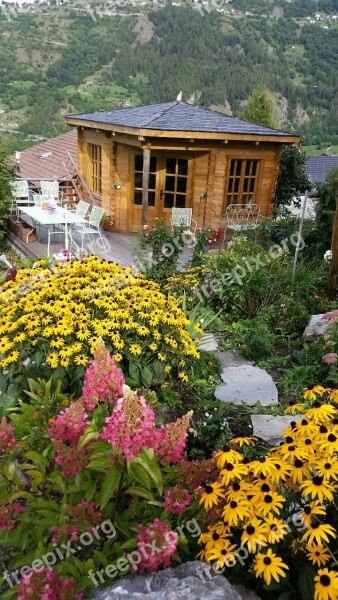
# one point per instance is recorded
(323, 429)
(226, 448)
(304, 422)
(331, 437)
(215, 536)
(262, 459)
(250, 529)
(265, 487)
(223, 552)
(236, 487)
(267, 560)
(314, 525)
(229, 467)
(307, 509)
(327, 466)
(316, 404)
(289, 439)
(317, 480)
(208, 489)
(291, 448)
(268, 499)
(298, 463)
(233, 504)
(325, 580)
(308, 442)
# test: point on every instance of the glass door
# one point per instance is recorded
(176, 184)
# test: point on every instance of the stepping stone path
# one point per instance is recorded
(270, 429)
(244, 383)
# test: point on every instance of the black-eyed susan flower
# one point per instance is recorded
(235, 511)
(269, 566)
(275, 529)
(254, 535)
(270, 503)
(317, 533)
(212, 494)
(326, 585)
(317, 487)
(320, 412)
(318, 555)
(233, 471)
(311, 511)
(227, 455)
(223, 553)
(327, 468)
(243, 441)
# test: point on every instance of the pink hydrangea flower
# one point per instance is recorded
(8, 514)
(176, 500)
(103, 380)
(70, 424)
(331, 317)
(64, 531)
(7, 440)
(330, 358)
(156, 545)
(46, 585)
(131, 426)
(70, 458)
(173, 439)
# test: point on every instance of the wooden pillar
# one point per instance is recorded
(146, 168)
(333, 271)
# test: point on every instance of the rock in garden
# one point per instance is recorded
(208, 342)
(269, 428)
(246, 384)
(189, 581)
(229, 358)
(316, 326)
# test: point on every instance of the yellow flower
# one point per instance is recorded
(52, 360)
(161, 356)
(269, 566)
(118, 357)
(81, 360)
(211, 495)
(318, 555)
(135, 349)
(326, 585)
(183, 376)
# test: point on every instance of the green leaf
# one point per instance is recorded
(306, 582)
(108, 487)
(88, 435)
(153, 471)
(57, 480)
(90, 489)
(139, 473)
(146, 375)
(139, 491)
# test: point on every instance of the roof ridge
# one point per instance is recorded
(160, 114)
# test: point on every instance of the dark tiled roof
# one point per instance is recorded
(47, 160)
(317, 167)
(178, 116)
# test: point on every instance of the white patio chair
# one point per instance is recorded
(81, 208)
(51, 190)
(20, 195)
(182, 217)
(92, 226)
(239, 216)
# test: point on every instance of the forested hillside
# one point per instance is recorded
(59, 59)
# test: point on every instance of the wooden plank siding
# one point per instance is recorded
(209, 165)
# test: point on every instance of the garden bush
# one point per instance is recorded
(51, 321)
(105, 482)
(272, 517)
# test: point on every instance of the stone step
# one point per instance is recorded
(246, 384)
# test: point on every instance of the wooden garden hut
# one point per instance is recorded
(141, 161)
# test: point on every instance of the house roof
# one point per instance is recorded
(177, 116)
(48, 159)
(317, 167)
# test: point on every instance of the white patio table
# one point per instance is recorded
(60, 216)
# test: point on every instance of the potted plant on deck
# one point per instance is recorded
(107, 222)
